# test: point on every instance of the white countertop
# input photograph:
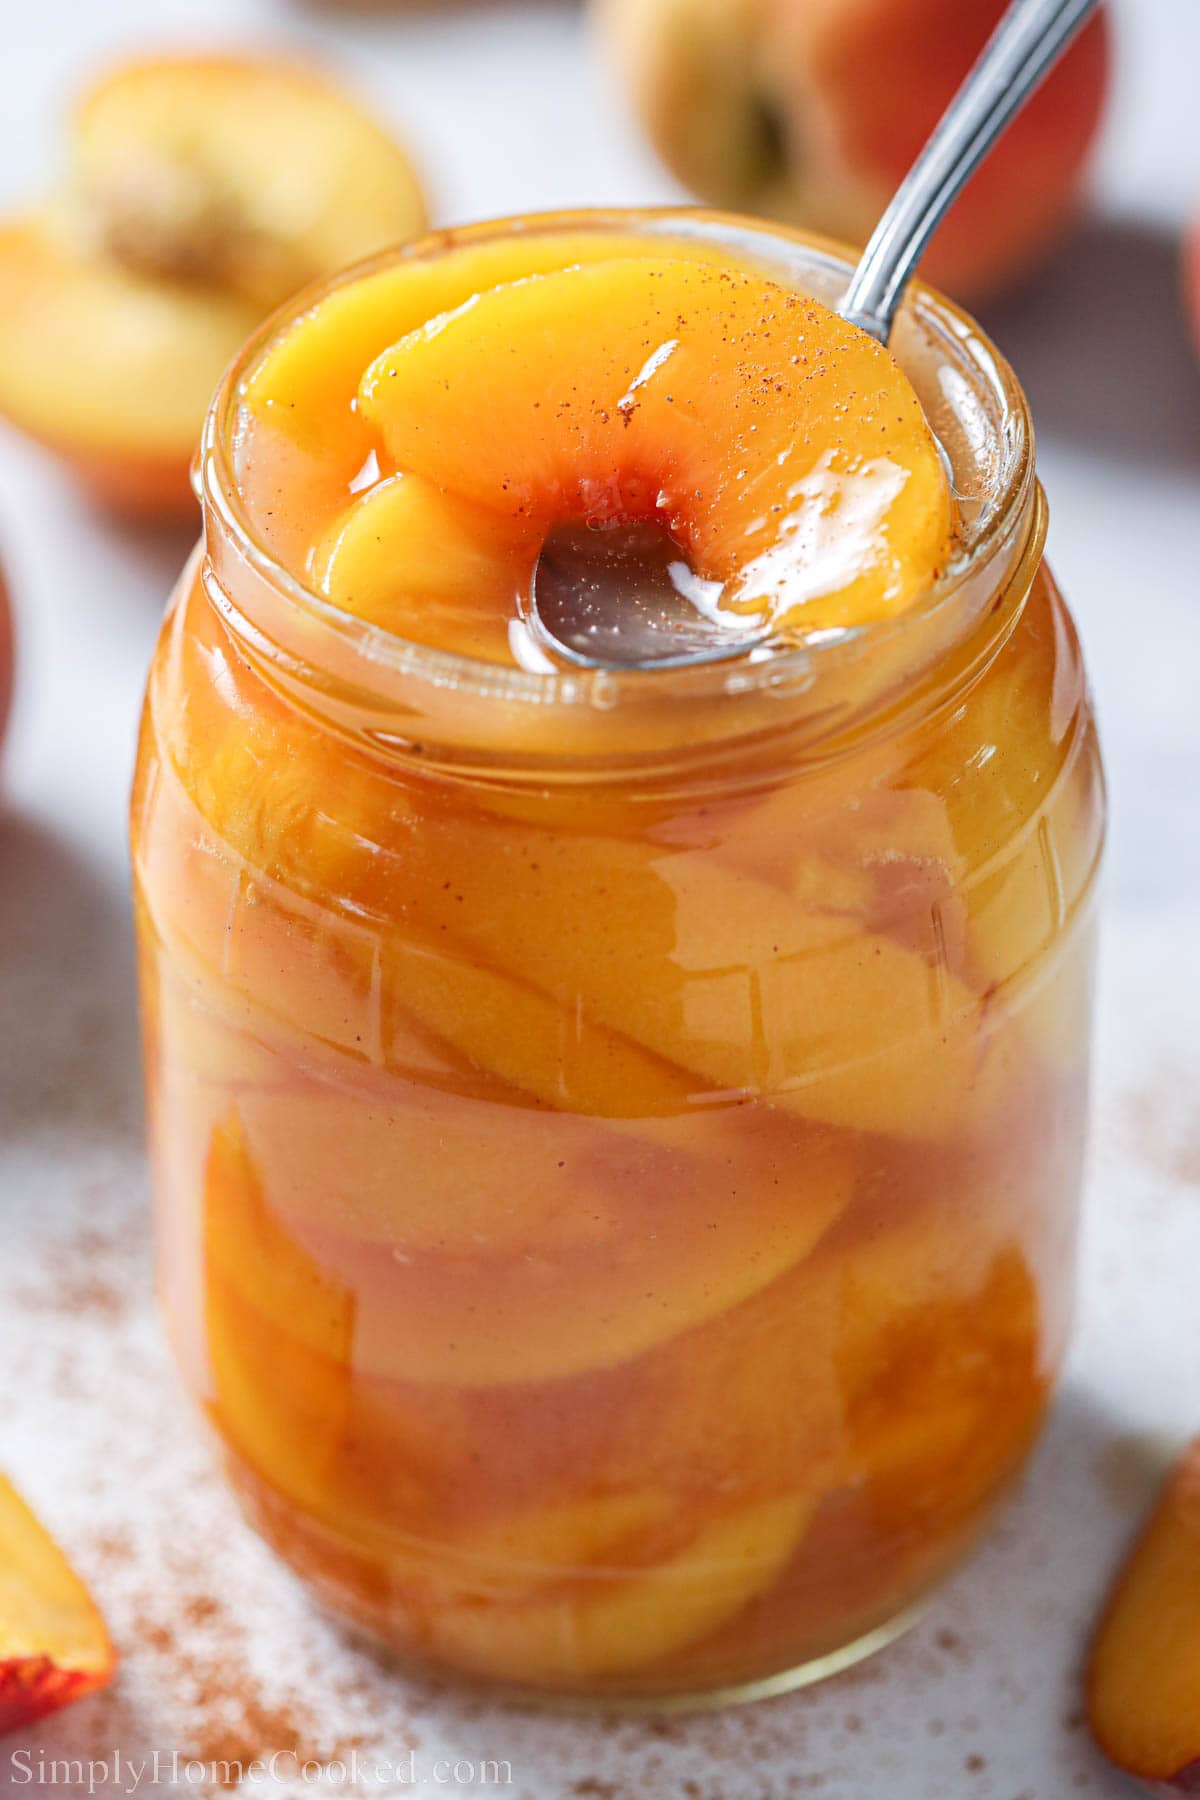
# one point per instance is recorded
(223, 1655)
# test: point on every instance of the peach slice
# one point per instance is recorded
(784, 449)
(1143, 1680)
(942, 1375)
(427, 566)
(429, 1009)
(608, 976)
(515, 1553)
(308, 440)
(696, 1232)
(1015, 770)
(686, 954)
(202, 191)
(854, 1029)
(516, 1032)
(307, 381)
(998, 761)
(743, 1406)
(605, 1623)
(858, 1028)
(246, 1245)
(279, 1330)
(53, 1644)
(398, 1164)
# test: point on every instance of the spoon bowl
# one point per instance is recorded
(665, 617)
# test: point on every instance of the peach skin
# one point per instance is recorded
(1144, 1673)
(53, 1644)
(6, 656)
(1191, 252)
(201, 192)
(811, 111)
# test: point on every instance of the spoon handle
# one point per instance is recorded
(1026, 44)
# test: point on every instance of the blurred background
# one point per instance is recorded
(508, 107)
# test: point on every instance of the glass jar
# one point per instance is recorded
(617, 1140)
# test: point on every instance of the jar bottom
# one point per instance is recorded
(313, 1554)
(672, 1705)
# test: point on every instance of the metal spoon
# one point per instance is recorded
(621, 597)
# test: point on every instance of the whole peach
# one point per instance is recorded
(811, 111)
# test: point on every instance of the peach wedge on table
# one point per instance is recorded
(53, 1644)
(200, 193)
(1143, 1682)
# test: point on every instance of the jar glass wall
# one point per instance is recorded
(617, 1141)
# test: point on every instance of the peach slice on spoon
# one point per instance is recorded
(782, 449)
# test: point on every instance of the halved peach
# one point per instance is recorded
(1143, 1680)
(110, 369)
(784, 449)
(53, 1644)
(202, 191)
(252, 174)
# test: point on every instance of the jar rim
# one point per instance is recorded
(381, 655)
